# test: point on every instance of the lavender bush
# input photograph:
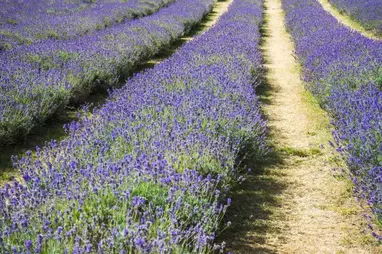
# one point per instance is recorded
(147, 172)
(368, 13)
(38, 79)
(24, 22)
(344, 70)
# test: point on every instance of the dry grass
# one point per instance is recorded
(293, 203)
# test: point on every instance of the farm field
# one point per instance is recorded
(350, 20)
(33, 21)
(367, 13)
(190, 126)
(39, 79)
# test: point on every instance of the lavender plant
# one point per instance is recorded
(25, 22)
(368, 13)
(148, 171)
(344, 69)
(38, 79)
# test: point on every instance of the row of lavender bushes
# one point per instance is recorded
(368, 13)
(344, 70)
(25, 22)
(39, 79)
(149, 171)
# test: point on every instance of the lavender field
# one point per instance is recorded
(148, 171)
(26, 22)
(344, 70)
(228, 144)
(368, 13)
(38, 79)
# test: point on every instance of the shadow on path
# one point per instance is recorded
(253, 205)
(255, 201)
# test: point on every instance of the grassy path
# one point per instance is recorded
(347, 21)
(294, 204)
(53, 128)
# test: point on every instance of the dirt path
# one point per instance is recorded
(220, 7)
(347, 21)
(294, 204)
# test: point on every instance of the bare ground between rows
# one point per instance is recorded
(53, 129)
(294, 202)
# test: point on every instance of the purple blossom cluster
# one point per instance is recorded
(344, 70)
(38, 79)
(149, 171)
(27, 21)
(368, 13)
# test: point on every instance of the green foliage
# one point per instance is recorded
(12, 21)
(108, 21)
(5, 46)
(15, 36)
(49, 62)
(66, 56)
(378, 81)
(50, 11)
(53, 34)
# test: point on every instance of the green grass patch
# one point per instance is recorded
(300, 152)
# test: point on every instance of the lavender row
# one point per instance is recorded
(344, 70)
(38, 79)
(24, 22)
(368, 13)
(148, 172)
